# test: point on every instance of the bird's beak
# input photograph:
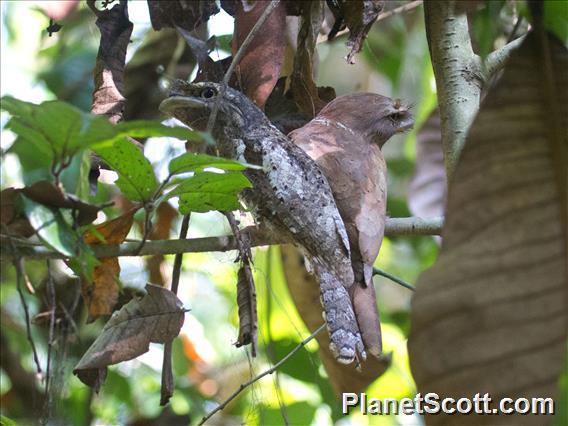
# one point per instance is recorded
(171, 104)
(406, 123)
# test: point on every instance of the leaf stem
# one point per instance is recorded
(167, 390)
(271, 370)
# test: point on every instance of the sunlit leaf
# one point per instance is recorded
(210, 191)
(58, 129)
(147, 129)
(137, 180)
(297, 413)
(191, 162)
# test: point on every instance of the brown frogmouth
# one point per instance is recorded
(290, 197)
(345, 140)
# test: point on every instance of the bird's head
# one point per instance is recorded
(375, 117)
(192, 104)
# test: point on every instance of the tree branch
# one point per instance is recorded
(496, 60)
(394, 227)
(458, 74)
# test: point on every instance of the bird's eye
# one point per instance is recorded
(208, 93)
(395, 116)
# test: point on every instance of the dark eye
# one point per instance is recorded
(208, 93)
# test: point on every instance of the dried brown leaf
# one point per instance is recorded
(165, 215)
(12, 218)
(115, 28)
(246, 300)
(302, 85)
(101, 295)
(259, 69)
(186, 14)
(358, 16)
(491, 315)
(293, 7)
(157, 317)
(58, 10)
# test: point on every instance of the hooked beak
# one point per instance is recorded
(406, 123)
(171, 104)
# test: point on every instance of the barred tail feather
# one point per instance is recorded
(346, 343)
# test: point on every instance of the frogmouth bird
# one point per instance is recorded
(345, 141)
(290, 197)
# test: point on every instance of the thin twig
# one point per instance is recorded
(167, 375)
(237, 58)
(377, 271)
(271, 370)
(52, 306)
(270, 345)
(515, 29)
(401, 9)
(20, 273)
(147, 226)
(393, 227)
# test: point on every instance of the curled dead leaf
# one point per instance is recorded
(187, 14)
(13, 221)
(259, 69)
(115, 28)
(302, 84)
(358, 16)
(58, 10)
(157, 317)
(101, 295)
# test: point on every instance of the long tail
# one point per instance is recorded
(346, 343)
(364, 302)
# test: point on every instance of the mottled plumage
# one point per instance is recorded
(345, 140)
(290, 196)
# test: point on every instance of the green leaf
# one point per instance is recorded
(51, 227)
(486, 26)
(297, 413)
(57, 129)
(300, 366)
(137, 180)
(5, 421)
(556, 19)
(147, 129)
(208, 191)
(190, 162)
(16, 107)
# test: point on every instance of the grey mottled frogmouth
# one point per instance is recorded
(290, 196)
(345, 140)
